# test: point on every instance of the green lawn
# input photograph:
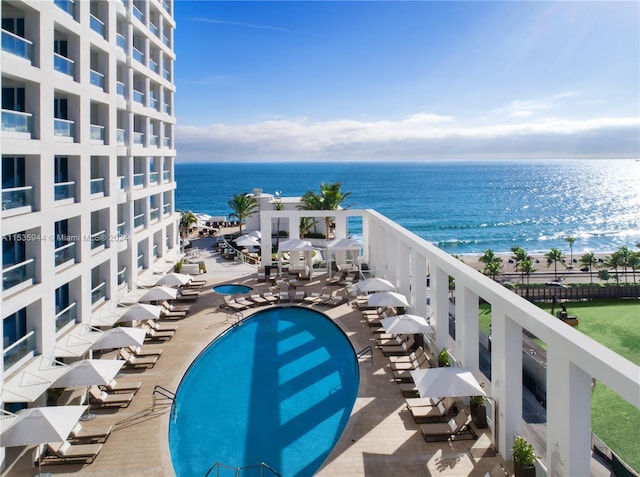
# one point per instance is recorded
(615, 324)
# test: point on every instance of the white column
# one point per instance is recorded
(506, 377)
(440, 305)
(403, 264)
(266, 244)
(569, 448)
(467, 330)
(419, 284)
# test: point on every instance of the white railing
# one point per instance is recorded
(19, 349)
(138, 137)
(64, 254)
(97, 132)
(96, 25)
(98, 239)
(121, 182)
(14, 275)
(63, 64)
(153, 177)
(17, 45)
(97, 185)
(64, 128)
(69, 314)
(64, 190)
(138, 179)
(17, 121)
(96, 78)
(121, 137)
(17, 197)
(138, 55)
(98, 293)
(138, 220)
(121, 41)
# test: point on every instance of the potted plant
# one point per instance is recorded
(523, 458)
(478, 406)
(443, 358)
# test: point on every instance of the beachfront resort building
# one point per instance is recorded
(87, 172)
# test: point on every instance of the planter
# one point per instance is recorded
(479, 416)
(520, 471)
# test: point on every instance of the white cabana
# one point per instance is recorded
(343, 245)
(296, 248)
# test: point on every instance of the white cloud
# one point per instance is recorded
(420, 135)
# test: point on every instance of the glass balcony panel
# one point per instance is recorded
(166, 175)
(67, 315)
(138, 138)
(153, 177)
(97, 185)
(64, 128)
(121, 182)
(96, 25)
(153, 66)
(64, 65)
(140, 261)
(65, 253)
(153, 29)
(165, 209)
(18, 350)
(98, 292)
(165, 5)
(138, 179)
(165, 74)
(17, 121)
(121, 89)
(120, 136)
(166, 141)
(138, 220)
(122, 276)
(165, 40)
(153, 140)
(98, 239)
(17, 45)
(66, 5)
(64, 190)
(121, 41)
(167, 108)
(97, 79)
(153, 103)
(138, 55)
(154, 250)
(138, 14)
(138, 96)
(17, 197)
(154, 214)
(16, 274)
(97, 132)
(121, 229)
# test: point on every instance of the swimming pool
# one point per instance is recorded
(231, 289)
(278, 388)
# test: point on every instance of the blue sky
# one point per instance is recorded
(311, 80)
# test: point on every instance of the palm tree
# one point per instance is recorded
(570, 241)
(329, 198)
(634, 263)
(519, 255)
(526, 268)
(305, 225)
(555, 256)
(493, 264)
(589, 260)
(242, 206)
(625, 256)
(615, 261)
(277, 205)
(187, 220)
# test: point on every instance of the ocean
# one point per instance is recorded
(462, 207)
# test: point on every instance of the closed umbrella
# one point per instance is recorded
(446, 382)
(405, 324)
(173, 279)
(247, 241)
(375, 285)
(159, 294)
(388, 298)
(140, 312)
(120, 337)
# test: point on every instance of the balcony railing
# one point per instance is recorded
(17, 45)
(97, 185)
(98, 293)
(166, 108)
(64, 65)
(153, 29)
(122, 276)
(121, 229)
(19, 273)
(166, 141)
(165, 40)
(121, 41)
(138, 96)
(15, 197)
(121, 182)
(68, 6)
(138, 13)
(166, 209)
(97, 132)
(64, 128)
(64, 190)
(17, 121)
(154, 214)
(138, 137)
(153, 66)
(121, 89)
(96, 25)
(96, 78)
(153, 177)
(98, 239)
(65, 253)
(138, 55)
(153, 140)
(165, 5)
(154, 250)
(166, 175)
(138, 220)
(138, 179)
(140, 261)
(65, 316)
(166, 74)
(13, 353)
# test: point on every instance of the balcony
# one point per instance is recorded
(122, 276)
(153, 29)
(140, 261)
(66, 316)
(121, 182)
(64, 190)
(16, 198)
(16, 45)
(153, 66)
(166, 209)
(65, 254)
(64, 128)
(153, 177)
(97, 79)
(166, 108)
(138, 96)
(97, 132)
(97, 186)
(154, 214)
(166, 74)
(64, 65)
(98, 239)
(138, 179)
(121, 229)
(13, 353)
(153, 140)
(153, 103)
(154, 250)
(68, 6)
(138, 220)
(120, 136)
(21, 274)
(96, 25)
(98, 293)
(138, 138)
(121, 89)
(138, 55)
(165, 5)
(166, 176)
(165, 40)
(166, 142)
(17, 122)
(138, 13)
(121, 41)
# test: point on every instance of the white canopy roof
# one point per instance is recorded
(344, 244)
(32, 380)
(294, 245)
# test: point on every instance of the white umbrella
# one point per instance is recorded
(247, 241)
(38, 425)
(141, 312)
(375, 285)
(159, 294)
(388, 298)
(120, 337)
(173, 279)
(405, 324)
(446, 382)
(255, 234)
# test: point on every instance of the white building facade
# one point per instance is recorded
(88, 155)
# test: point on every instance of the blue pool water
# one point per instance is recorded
(278, 388)
(231, 289)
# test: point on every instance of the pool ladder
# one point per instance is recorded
(163, 393)
(239, 470)
(364, 351)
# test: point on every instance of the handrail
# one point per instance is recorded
(18, 113)
(17, 189)
(18, 342)
(18, 265)
(164, 392)
(69, 60)
(18, 37)
(238, 470)
(363, 351)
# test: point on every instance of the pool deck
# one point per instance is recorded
(380, 439)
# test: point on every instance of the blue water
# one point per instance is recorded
(231, 289)
(462, 207)
(277, 389)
